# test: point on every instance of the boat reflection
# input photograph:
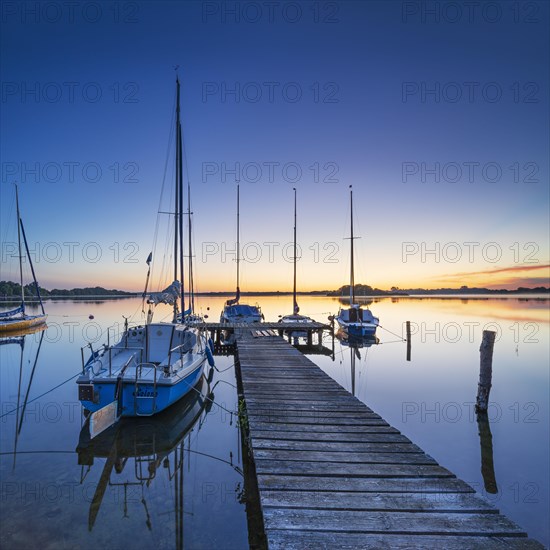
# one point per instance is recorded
(139, 447)
(355, 343)
(20, 337)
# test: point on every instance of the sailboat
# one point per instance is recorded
(17, 319)
(234, 311)
(151, 366)
(295, 317)
(355, 320)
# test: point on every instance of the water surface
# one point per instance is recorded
(179, 482)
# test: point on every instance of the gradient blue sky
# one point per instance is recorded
(359, 55)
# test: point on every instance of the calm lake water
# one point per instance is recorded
(178, 481)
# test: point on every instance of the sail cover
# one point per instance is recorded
(168, 296)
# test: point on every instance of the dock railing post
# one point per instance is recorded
(485, 370)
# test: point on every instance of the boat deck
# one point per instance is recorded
(332, 473)
(147, 372)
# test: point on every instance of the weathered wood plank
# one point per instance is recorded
(303, 398)
(290, 385)
(324, 415)
(306, 392)
(376, 502)
(321, 420)
(359, 484)
(334, 446)
(360, 437)
(310, 405)
(298, 540)
(426, 523)
(351, 469)
(374, 427)
(301, 376)
(344, 458)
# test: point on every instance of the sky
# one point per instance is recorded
(435, 112)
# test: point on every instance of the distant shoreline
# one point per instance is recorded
(10, 292)
(534, 294)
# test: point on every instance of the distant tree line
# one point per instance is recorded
(11, 290)
(366, 290)
(363, 290)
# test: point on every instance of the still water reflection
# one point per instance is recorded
(176, 480)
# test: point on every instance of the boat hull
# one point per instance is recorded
(143, 398)
(357, 329)
(23, 323)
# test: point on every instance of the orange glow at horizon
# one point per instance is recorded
(278, 278)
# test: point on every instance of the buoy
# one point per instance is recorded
(211, 344)
(209, 356)
(90, 316)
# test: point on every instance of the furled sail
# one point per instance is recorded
(168, 296)
(235, 300)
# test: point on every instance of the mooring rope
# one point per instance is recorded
(42, 395)
(393, 333)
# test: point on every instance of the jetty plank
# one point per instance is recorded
(298, 540)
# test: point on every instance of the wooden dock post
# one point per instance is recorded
(408, 340)
(485, 370)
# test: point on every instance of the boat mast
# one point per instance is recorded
(32, 267)
(352, 274)
(176, 199)
(191, 282)
(180, 211)
(19, 245)
(295, 304)
(178, 217)
(238, 239)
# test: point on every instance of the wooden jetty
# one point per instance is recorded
(217, 330)
(332, 473)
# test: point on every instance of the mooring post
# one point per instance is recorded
(408, 340)
(485, 370)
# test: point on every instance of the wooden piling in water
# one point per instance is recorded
(485, 370)
(408, 340)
